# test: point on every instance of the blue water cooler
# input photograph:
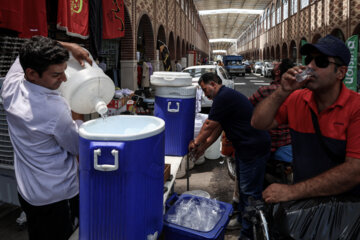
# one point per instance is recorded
(121, 178)
(176, 106)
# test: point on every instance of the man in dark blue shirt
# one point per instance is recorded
(231, 111)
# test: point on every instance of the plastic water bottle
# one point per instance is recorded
(308, 72)
(87, 89)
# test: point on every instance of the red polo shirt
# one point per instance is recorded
(339, 125)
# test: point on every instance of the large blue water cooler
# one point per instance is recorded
(121, 178)
(176, 106)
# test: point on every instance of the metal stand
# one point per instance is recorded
(187, 172)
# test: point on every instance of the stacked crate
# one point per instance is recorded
(9, 50)
(6, 149)
(8, 187)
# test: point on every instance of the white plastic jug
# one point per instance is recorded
(87, 89)
(213, 152)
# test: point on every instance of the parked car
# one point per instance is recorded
(258, 67)
(252, 63)
(267, 69)
(197, 71)
(247, 67)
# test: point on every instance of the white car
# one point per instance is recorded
(258, 67)
(267, 69)
(197, 71)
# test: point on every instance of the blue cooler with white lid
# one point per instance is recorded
(121, 177)
(176, 106)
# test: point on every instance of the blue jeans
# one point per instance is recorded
(250, 174)
(283, 153)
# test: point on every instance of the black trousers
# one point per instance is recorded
(53, 221)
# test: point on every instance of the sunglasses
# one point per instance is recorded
(321, 61)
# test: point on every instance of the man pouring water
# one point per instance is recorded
(44, 136)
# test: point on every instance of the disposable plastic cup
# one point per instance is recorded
(306, 73)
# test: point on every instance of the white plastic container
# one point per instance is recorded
(171, 79)
(199, 121)
(182, 168)
(87, 89)
(200, 118)
(213, 152)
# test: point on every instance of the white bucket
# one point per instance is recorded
(182, 168)
(87, 89)
(213, 152)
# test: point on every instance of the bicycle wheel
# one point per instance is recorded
(230, 164)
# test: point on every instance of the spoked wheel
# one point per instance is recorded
(230, 164)
(261, 231)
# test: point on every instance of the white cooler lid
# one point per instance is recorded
(176, 92)
(174, 79)
(122, 128)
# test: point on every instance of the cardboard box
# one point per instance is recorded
(167, 172)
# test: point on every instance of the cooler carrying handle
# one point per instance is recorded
(173, 110)
(169, 78)
(106, 167)
(171, 200)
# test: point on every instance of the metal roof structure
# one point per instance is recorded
(227, 25)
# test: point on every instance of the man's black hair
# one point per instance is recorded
(206, 78)
(39, 53)
(285, 65)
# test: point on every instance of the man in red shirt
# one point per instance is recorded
(326, 161)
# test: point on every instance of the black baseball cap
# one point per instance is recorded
(330, 46)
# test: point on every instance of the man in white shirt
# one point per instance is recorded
(44, 136)
(178, 66)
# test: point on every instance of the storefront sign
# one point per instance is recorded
(351, 75)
